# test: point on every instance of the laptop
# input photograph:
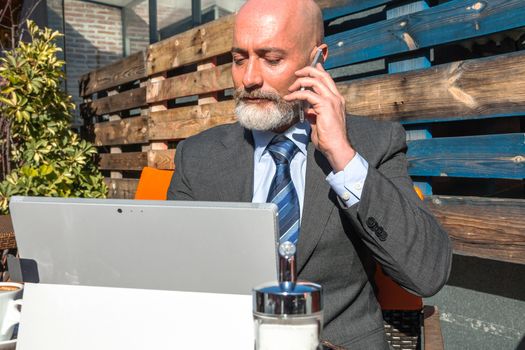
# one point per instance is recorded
(212, 247)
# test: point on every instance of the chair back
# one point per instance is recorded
(153, 184)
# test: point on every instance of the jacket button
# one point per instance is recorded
(381, 233)
(371, 222)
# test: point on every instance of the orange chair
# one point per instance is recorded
(153, 184)
(404, 314)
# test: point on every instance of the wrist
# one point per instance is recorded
(340, 158)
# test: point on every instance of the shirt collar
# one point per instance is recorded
(298, 133)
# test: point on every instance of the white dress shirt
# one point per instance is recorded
(348, 183)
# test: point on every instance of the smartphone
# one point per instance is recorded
(318, 58)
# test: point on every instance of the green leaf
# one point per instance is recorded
(14, 98)
(49, 159)
(7, 102)
(46, 170)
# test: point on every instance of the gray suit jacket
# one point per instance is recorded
(338, 247)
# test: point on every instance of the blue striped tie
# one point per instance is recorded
(282, 191)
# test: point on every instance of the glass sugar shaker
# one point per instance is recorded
(288, 315)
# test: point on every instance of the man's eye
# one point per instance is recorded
(273, 62)
(238, 61)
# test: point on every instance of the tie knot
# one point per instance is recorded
(282, 149)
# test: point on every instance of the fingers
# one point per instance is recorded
(317, 92)
(313, 83)
(304, 95)
(319, 73)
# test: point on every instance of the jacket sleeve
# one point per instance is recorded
(402, 234)
(179, 188)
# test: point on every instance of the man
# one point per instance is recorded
(340, 182)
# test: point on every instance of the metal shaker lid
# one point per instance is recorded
(304, 298)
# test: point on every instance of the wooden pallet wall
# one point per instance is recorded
(450, 71)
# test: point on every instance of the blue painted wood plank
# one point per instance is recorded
(424, 186)
(451, 21)
(405, 8)
(348, 7)
(488, 156)
(423, 59)
(418, 132)
(408, 64)
(451, 118)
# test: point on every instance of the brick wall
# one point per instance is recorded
(93, 38)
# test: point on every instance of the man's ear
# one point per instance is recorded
(324, 47)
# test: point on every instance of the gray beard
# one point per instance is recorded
(275, 115)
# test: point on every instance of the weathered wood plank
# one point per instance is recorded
(338, 8)
(180, 123)
(156, 107)
(7, 233)
(123, 71)
(209, 97)
(136, 161)
(206, 41)
(121, 188)
(451, 21)
(486, 156)
(115, 149)
(490, 228)
(120, 102)
(472, 89)
(123, 161)
(121, 132)
(196, 83)
(162, 159)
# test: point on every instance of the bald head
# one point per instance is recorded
(299, 20)
(272, 40)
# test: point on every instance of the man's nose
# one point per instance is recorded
(252, 78)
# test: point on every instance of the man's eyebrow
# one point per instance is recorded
(262, 50)
(238, 50)
(271, 49)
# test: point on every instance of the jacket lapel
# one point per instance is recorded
(317, 204)
(235, 173)
(234, 183)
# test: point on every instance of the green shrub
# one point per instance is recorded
(47, 157)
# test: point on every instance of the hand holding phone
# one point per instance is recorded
(318, 58)
(328, 132)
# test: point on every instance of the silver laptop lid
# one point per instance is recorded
(185, 246)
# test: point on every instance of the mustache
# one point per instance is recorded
(241, 94)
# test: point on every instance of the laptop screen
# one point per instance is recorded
(169, 245)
